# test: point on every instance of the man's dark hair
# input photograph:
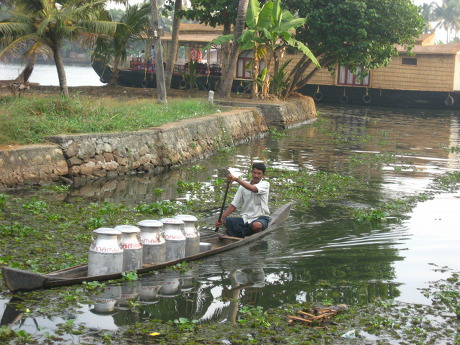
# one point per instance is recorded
(259, 166)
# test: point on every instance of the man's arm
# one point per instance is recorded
(247, 185)
(227, 212)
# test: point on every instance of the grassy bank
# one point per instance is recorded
(30, 119)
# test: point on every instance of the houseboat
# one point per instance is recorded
(428, 77)
(193, 68)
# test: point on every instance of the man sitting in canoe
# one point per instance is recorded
(252, 197)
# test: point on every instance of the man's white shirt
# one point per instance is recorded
(253, 205)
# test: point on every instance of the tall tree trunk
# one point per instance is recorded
(227, 76)
(172, 55)
(114, 77)
(60, 71)
(159, 67)
(225, 48)
(23, 78)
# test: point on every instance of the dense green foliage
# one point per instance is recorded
(354, 33)
(213, 13)
(30, 120)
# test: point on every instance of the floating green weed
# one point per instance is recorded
(130, 276)
(94, 285)
(180, 267)
(188, 186)
(370, 215)
(16, 230)
(95, 222)
(185, 323)
(446, 293)
(3, 200)
(161, 208)
(36, 206)
(311, 188)
(277, 134)
(448, 182)
(253, 316)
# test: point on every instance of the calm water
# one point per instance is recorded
(77, 75)
(359, 261)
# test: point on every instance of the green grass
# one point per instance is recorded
(29, 120)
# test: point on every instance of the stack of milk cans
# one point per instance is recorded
(128, 247)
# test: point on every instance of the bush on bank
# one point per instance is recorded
(29, 120)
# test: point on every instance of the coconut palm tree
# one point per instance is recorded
(426, 10)
(41, 26)
(135, 20)
(448, 16)
(172, 54)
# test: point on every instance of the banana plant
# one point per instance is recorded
(269, 31)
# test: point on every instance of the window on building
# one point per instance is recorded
(241, 70)
(409, 61)
(346, 77)
(244, 59)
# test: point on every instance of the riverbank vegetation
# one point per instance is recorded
(29, 120)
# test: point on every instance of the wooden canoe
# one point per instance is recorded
(20, 280)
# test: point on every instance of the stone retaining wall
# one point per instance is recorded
(282, 114)
(154, 149)
(177, 143)
(31, 165)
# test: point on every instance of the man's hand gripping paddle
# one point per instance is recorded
(223, 204)
(225, 198)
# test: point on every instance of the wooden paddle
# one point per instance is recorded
(223, 203)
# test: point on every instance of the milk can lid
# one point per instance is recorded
(150, 223)
(186, 217)
(172, 221)
(107, 231)
(127, 228)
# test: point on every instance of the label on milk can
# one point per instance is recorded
(104, 249)
(132, 245)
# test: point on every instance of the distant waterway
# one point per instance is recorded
(317, 256)
(46, 74)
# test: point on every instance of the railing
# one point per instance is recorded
(200, 68)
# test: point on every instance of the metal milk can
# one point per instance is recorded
(153, 241)
(129, 292)
(105, 302)
(192, 235)
(132, 247)
(105, 253)
(174, 237)
(171, 283)
(150, 289)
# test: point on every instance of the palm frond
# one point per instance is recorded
(100, 27)
(16, 47)
(14, 29)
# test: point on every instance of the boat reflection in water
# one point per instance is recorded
(146, 291)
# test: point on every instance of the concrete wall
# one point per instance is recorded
(151, 150)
